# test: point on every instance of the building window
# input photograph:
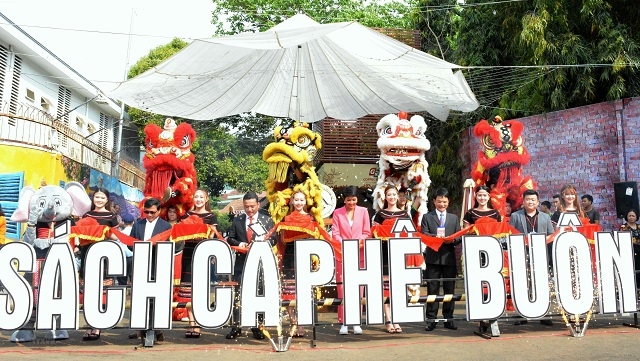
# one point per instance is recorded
(46, 104)
(80, 122)
(31, 96)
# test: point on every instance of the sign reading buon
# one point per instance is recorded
(574, 284)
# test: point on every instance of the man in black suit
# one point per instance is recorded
(441, 264)
(147, 227)
(240, 235)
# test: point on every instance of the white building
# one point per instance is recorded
(54, 121)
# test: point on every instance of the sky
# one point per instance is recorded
(93, 37)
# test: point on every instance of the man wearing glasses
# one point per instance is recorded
(147, 227)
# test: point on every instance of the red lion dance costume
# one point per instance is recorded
(171, 175)
(500, 163)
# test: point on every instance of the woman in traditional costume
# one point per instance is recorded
(202, 210)
(349, 222)
(482, 208)
(100, 212)
(298, 224)
(385, 218)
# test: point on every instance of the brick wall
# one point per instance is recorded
(591, 147)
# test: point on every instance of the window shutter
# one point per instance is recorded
(10, 186)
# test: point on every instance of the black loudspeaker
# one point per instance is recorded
(626, 198)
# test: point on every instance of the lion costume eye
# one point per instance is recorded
(186, 141)
(387, 130)
(303, 141)
(150, 143)
(42, 203)
(487, 142)
(57, 202)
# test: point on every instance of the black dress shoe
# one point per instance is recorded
(257, 334)
(430, 326)
(546, 322)
(523, 322)
(234, 333)
(450, 325)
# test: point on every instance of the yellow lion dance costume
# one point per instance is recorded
(290, 169)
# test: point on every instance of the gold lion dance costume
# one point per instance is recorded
(290, 169)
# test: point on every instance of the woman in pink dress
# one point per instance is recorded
(349, 222)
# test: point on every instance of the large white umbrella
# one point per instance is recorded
(302, 70)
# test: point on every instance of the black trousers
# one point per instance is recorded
(433, 288)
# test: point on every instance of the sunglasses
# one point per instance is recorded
(150, 212)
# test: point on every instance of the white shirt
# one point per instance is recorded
(444, 217)
(148, 229)
(247, 221)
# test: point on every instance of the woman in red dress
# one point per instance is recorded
(388, 214)
(100, 206)
(297, 225)
(201, 208)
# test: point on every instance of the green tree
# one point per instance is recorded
(237, 16)
(561, 36)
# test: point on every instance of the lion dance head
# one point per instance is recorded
(402, 143)
(501, 160)
(290, 159)
(170, 173)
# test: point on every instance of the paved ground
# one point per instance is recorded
(605, 339)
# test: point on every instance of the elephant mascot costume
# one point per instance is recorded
(48, 212)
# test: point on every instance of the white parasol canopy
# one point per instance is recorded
(302, 70)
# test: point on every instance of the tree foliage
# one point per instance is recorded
(587, 50)
(237, 16)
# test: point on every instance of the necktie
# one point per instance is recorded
(441, 219)
(249, 230)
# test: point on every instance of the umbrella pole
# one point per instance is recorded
(299, 64)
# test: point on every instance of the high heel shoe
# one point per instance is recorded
(389, 326)
(193, 331)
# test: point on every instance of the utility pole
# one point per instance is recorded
(116, 170)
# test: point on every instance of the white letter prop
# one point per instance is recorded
(18, 303)
(489, 275)
(100, 254)
(534, 303)
(156, 289)
(353, 277)
(614, 256)
(58, 289)
(204, 315)
(400, 276)
(572, 266)
(306, 279)
(260, 257)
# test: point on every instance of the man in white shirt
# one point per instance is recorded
(147, 227)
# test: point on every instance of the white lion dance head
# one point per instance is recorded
(402, 145)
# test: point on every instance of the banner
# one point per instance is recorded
(575, 274)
